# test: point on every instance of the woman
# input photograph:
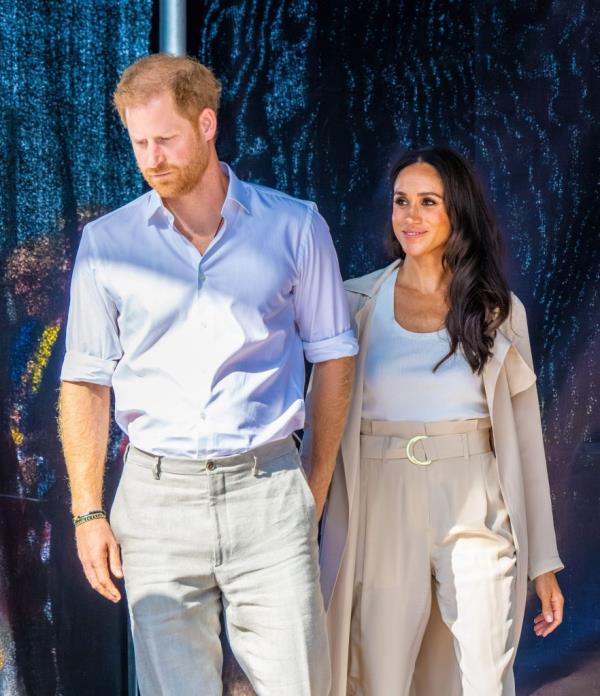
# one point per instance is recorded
(439, 507)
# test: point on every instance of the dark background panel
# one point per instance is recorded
(319, 99)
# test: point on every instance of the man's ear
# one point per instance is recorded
(207, 124)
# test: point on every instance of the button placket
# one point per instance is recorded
(201, 277)
(200, 329)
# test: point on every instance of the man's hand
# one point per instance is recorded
(551, 615)
(99, 552)
(318, 482)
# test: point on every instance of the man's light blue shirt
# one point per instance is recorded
(205, 353)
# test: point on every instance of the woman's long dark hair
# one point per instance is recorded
(478, 296)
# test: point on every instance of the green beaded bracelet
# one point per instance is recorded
(89, 516)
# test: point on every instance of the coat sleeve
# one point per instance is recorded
(543, 553)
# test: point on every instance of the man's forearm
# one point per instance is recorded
(331, 389)
(84, 414)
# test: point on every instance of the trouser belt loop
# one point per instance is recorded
(255, 465)
(156, 468)
(466, 449)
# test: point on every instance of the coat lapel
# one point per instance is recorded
(492, 368)
(367, 287)
(518, 373)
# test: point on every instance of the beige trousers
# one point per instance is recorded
(446, 521)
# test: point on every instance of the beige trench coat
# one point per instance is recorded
(510, 388)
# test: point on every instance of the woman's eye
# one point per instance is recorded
(428, 201)
(400, 201)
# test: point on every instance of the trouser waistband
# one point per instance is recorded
(255, 458)
(424, 443)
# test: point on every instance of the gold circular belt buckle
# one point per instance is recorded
(409, 450)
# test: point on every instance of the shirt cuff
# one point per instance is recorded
(341, 346)
(80, 367)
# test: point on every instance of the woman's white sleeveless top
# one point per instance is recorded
(399, 382)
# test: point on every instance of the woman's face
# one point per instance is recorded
(419, 217)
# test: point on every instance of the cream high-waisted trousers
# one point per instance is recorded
(445, 520)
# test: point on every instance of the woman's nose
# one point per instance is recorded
(413, 212)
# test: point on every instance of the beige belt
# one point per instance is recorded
(424, 443)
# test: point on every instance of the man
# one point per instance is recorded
(195, 302)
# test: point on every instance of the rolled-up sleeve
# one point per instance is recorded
(93, 346)
(322, 315)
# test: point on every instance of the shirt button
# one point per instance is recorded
(202, 415)
(211, 466)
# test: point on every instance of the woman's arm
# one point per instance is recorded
(543, 561)
(543, 553)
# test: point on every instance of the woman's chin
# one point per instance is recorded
(415, 250)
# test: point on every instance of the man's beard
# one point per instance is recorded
(181, 180)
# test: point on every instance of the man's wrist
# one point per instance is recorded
(97, 514)
(84, 503)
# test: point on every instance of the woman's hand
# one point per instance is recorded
(551, 616)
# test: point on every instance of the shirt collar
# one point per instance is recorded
(237, 191)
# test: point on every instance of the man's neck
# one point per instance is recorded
(198, 213)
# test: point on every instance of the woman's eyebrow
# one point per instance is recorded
(423, 193)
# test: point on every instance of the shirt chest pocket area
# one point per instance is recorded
(266, 289)
(151, 300)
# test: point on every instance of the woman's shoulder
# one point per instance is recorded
(516, 321)
(362, 285)
(516, 306)
(367, 284)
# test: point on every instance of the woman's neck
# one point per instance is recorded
(424, 274)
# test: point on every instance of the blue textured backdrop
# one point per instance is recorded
(66, 159)
(319, 98)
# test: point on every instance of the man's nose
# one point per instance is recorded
(155, 155)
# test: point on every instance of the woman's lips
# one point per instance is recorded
(413, 234)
